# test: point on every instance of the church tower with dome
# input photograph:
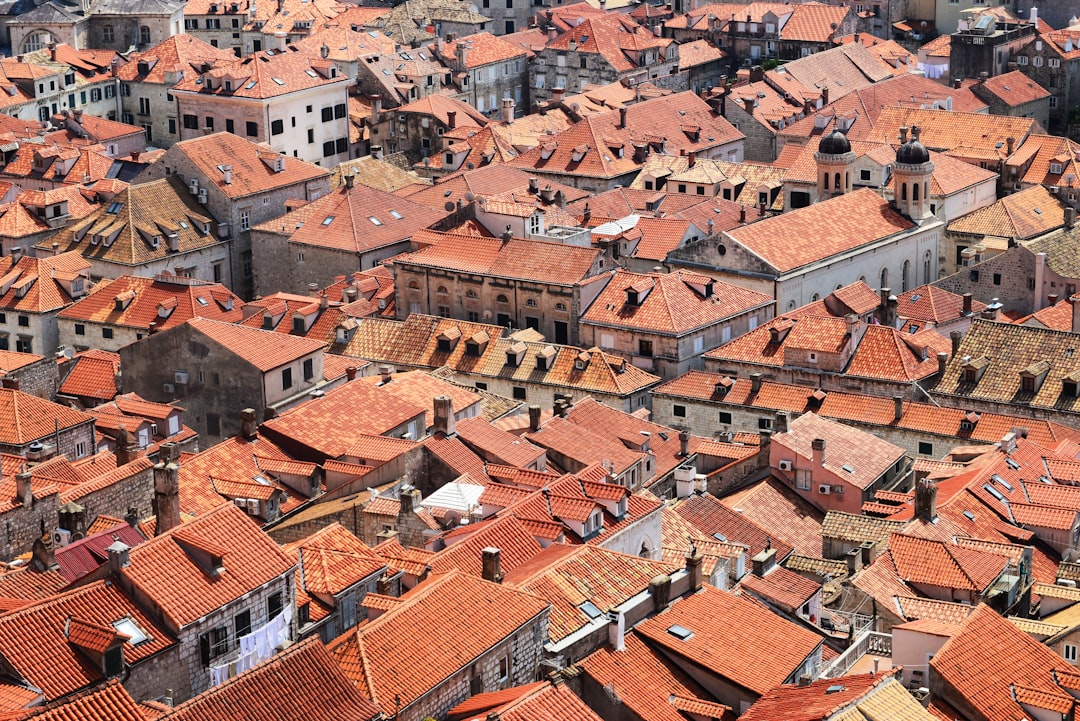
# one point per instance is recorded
(834, 165)
(911, 177)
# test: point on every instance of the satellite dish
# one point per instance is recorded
(469, 195)
(449, 206)
(452, 519)
(470, 166)
(574, 107)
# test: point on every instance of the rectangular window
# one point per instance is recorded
(764, 424)
(277, 127)
(645, 348)
(209, 122)
(191, 122)
(273, 605)
(172, 126)
(230, 126)
(327, 114)
(725, 417)
(678, 411)
(24, 321)
(926, 449)
(340, 111)
(80, 329)
(23, 344)
(1069, 653)
(804, 479)
(286, 379)
(144, 106)
(245, 220)
(252, 129)
(997, 278)
(242, 624)
(213, 643)
(309, 369)
(519, 393)
(107, 333)
(213, 424)
(311, 135)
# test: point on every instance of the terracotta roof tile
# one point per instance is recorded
(155, 300)
(821, 699)
(716, 520)
(729, 639)
(782, 587)
(781, 511)
(868, 456)
(1012, 89)
(332, 560)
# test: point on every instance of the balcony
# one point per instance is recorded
(863, 656)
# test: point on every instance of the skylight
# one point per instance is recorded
(848, 468)
(970, 516)
(680, 632)
(201, 301)
(114, 208)
(396, 214)
(375, 220)
(128, 628)
(311, 73)
(184, 225)
(329, 220)
(279, 81)
(589, 609)
(250, 85)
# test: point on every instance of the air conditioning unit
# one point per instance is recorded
(785, 465)
(202, 195)
(168, 388)
(61, 537)
(253, 506)
(824, 489)
(1067, 582)
(240, 502)
(194, 186)
(180, 378)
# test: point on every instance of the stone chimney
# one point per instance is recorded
(1070, 218)
(817, 447)
(249, 424)
(376, 107)
(126, 450)
(43, 554)
(451, 119)
(534, 418)
(764, 562)
(167, 489)
(492, 564)
(444, 416)
(660, 588)
(693, 568)
(755, 382)
(780, 422)
(10, 382)
(942, 361)
(967, 303)
(119, 555)
(684, 443)
(24, 493)
(461, 51)
(622, 117)
(898, 407)
(73, 518)
(508, 110)
(955, 336)
(386, 373)
(926, 500)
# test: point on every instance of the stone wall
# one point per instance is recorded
(129, 491)
(40, 378)
(21, 525)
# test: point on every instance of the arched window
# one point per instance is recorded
(791, 305)
(441, 290)
(884, 278)
(501, 299)
(470, 293)
(414, 285)
(904, 278)
(903, 191)
(836, 182)
(926, 268)
(915, 192)
(531, 302)
(826, 181)
(847, 179)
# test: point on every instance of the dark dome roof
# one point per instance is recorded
(913, 153)
(835, 143)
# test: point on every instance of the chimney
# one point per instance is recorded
(684, 443)
(898, 407)
(451, 119)
(957, 83)
(281, 41)
(1075, 301)
(24, 494)
(926, 500)
(43, 554)
(1008, 442)
(10, 382)
(350, 373)
(125, 449)
(954, 336)
(903, 134)
(817, 447)
(805, 680)
(226, 170)
(693, 568)
(461, 51)
(967, 303)
(854, 561)
(132, 517)
(622, 117)
(385, 373)
(690, 158)
(534, 185)
(660, 589)
(552, 34)
(617, 630)
(825, 95)
(755, 382)
(1010, 145)
(492, 564)
(1070, 218)
(557, 95)
(350, 179)
(444, 416)
(742, 213)
(167, 489)
(942, 361)
(118, 555)
(72, 518)
(534, 418)
(852, 321)
(587, 215)
(376, 107)
(1052, 299)
(508, 110)
(764, 562)
(249, 424)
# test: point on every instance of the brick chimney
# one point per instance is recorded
(898, 407)
(926, 500)
(444, 416)
(492, 564)
(126, 450)
(249, 424)
(693, 568)
(167, 489)
(967, 303)
(451, 119)
(10, 382)
(817, 447)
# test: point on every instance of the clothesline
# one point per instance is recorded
(255, 647)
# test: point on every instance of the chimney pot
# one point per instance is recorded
(684, 443)
(534, 418)
(249, 424)
(967, 303)
(491, 558)
(954, 336)
(350, 373)
(942, 361)
(817, 446)
(444, 416)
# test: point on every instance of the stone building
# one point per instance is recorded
(216, 369)
(664, 322)
(251, 186)
(1052, 60)
(147, 80)
(120, 25)
(1016, 94)
(417, 128)
(985, 42)
(353, 228)
(33, 292)
(485, 70)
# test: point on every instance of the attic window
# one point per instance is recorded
(128, 628)
(375, 220)
(114, 208)
(680, 632)
(279, 81)
(397, 215)
(201, 301)
(329, 220)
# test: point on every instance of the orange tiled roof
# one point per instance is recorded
(963, 135)
(1019, 216)
(155, 300)
(185, 591)
(182, 54)
(867, 455)
(772, 505)
(92, 375)
(483, 49)
(710, 516)
(819, 700)
(738, 640)
(265, 350)
(380, 656)
(332, 560)
(1012, 89)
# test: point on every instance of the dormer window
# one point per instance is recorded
(1055, 168)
